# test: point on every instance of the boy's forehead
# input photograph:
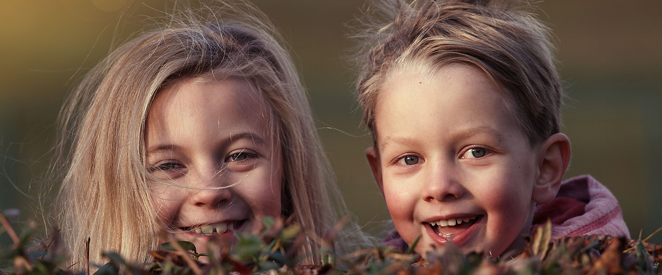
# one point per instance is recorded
(433, 86)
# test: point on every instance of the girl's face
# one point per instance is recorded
(216, 164)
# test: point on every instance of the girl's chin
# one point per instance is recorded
(203, 241)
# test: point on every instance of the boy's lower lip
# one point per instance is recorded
(458, 239)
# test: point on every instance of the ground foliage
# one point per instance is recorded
(274, 252)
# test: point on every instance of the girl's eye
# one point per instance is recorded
(240, 156)
(168, 170)
(410, 160)
(475, 152)
(167, 166)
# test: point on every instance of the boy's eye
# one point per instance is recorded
(476, 152)
(410, 160)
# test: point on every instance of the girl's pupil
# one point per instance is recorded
(167, 166)
(478, 152)
(411, 160)
(238, 156)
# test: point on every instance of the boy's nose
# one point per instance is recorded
(211, 191)
(442, 184)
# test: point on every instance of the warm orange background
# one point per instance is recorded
(610, 55)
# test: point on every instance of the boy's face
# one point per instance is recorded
(452, 162)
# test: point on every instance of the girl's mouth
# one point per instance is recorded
(449, 228)
(216, 228)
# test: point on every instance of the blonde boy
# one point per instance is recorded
(463, 101)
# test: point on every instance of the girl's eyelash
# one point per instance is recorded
(165, 166)
(241, 155)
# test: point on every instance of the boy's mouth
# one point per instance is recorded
(216, 228)
(450, 227)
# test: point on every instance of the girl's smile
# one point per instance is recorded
(215, 167)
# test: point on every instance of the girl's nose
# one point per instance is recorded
(442, 184)
(211, 191)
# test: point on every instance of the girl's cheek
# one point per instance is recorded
(166, 203)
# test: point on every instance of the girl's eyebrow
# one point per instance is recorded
(247, 135)
(163, 147)
(232, 138)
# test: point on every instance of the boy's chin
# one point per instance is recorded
(435, 250)
(514, 249)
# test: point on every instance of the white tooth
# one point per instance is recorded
(442, 223)
(451, 222)
(198, 230)
(459, 221)
(433, 223)
(207, 229)
(221, 228)
(466, 220)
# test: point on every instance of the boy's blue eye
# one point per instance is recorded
(410, 160)
(478, 152)
(474, 153)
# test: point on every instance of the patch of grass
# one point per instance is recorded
(274, 251)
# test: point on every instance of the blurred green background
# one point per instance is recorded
(610, 54)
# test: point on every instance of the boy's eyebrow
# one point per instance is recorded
(399, 140)
(245, 135)
(454, 136)
(477, 130)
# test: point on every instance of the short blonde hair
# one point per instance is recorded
(511, 46)
(104, 194)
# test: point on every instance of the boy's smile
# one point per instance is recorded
(452, 161)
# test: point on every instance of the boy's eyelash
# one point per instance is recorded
(403, 158)
(477, 152)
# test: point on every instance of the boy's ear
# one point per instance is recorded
(553, 161)
(373, 159)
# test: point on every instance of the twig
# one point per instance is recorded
(10, 230)
(87, 256)
(194, 267)
(653, 234)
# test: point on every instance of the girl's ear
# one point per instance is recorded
(373, 159)
(553, 161)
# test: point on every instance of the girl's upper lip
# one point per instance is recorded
(451, 216)
(210, 223)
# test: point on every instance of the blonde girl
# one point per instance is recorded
(202, 126)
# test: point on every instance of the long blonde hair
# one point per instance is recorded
(104, 194)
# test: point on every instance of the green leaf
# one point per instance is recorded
(107, 269)
(290, 232)
(412, 247)
(268, 222)
(189, 246)
(114, 257)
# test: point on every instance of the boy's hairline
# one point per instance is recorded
(426, 66)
